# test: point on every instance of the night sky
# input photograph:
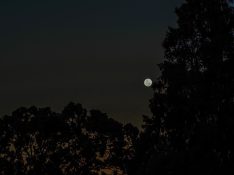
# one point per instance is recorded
(97, 53)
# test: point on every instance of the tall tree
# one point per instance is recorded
(192, 127)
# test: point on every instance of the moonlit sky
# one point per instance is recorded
(97, 53)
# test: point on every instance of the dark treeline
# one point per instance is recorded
(191, 130)
(39, 141)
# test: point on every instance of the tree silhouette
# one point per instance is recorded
(39, 141)
(192, 128)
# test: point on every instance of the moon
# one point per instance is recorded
(148, 82)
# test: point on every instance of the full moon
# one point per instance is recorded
(148, 82)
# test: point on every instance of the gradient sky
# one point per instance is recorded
(97, 53)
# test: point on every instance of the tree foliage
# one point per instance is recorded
(192, 128)
(39, 141)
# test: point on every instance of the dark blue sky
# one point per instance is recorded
(93, 52)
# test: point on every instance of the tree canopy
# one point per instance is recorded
(192, 127)
(39, 141)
